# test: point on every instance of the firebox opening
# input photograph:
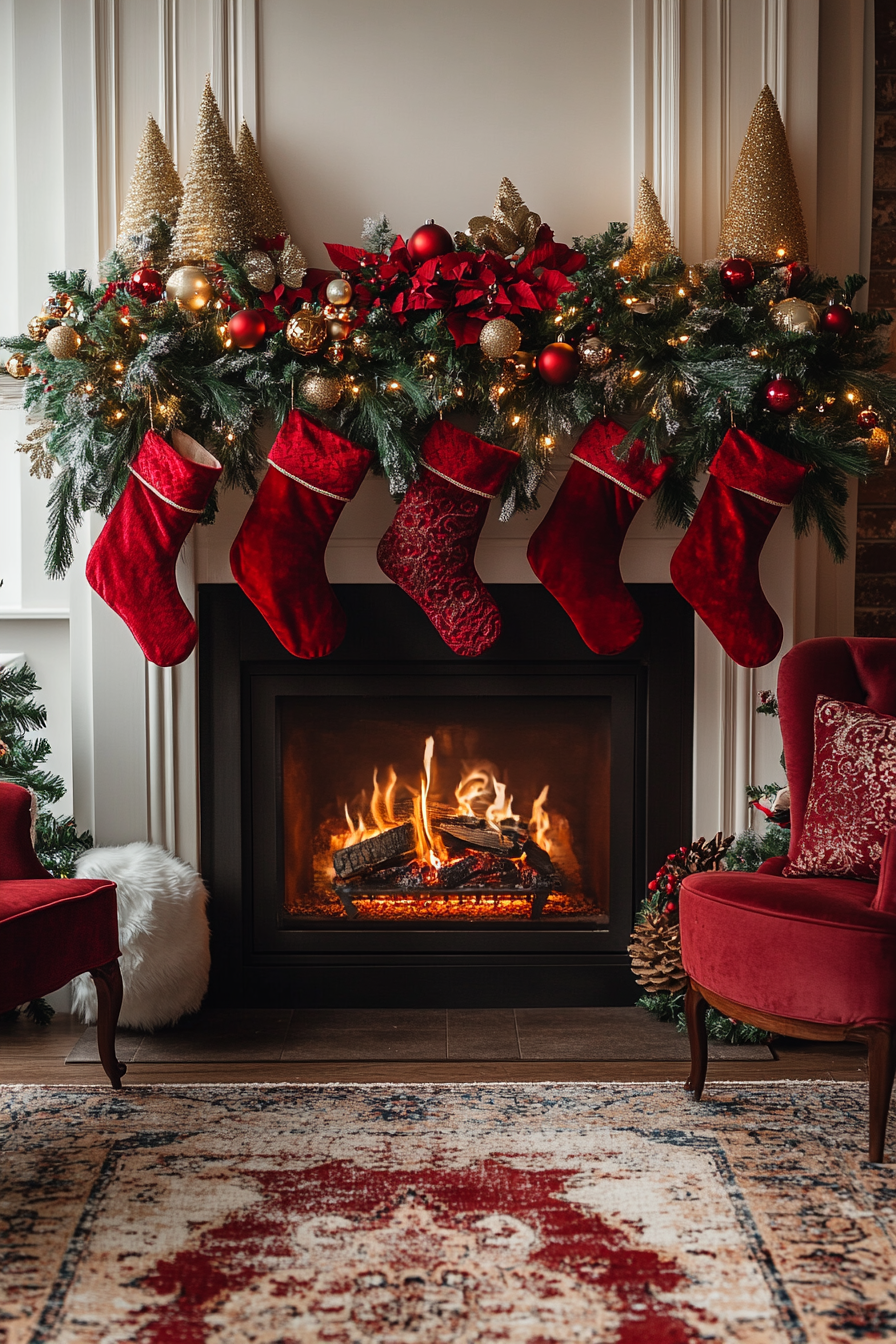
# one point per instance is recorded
(449, 808)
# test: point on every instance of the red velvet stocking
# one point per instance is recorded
(716, 565)
(430, 547)
(278, 556)
(132, 563)
(575, 551)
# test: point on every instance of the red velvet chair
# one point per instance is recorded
(813, 957)
(52, 929)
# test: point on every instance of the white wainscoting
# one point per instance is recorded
(416, 111)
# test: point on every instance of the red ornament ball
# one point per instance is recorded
(837, 317)
(247, 327)
(558, 363)
(148, 280)
(737, 274)
(867, 418)
(783, 395)
(429, 241)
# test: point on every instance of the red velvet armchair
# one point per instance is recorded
(813, 957)
(52, 929)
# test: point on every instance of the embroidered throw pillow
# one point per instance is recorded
(852, 799)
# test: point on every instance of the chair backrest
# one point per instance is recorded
(860, 670)
(17, 857)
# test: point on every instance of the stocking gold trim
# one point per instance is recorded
(460, 485)
(164, 498)
(630, 489)
(764, 499)
(343, 499)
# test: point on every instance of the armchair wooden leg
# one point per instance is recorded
(695, 1011)
(107, 980)
(881, 1069)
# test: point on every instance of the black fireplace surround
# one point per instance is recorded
(264, 955)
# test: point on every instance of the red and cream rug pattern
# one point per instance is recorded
(512, 1213)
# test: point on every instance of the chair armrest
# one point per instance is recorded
(773, 867)
(18, 860)
(886, 887)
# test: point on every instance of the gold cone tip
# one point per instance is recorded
(652, 239)
(261, 203)
(155, 189)
(213, 215)
(764, 218)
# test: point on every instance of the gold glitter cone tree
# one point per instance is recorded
(261, 204)
(214, 216)
(764, 218)
(652, 239)
(155, 189)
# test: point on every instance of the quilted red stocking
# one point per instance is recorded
(278, 556)
(132, 563)
(575, 551)
(716, 565)
(430, 547)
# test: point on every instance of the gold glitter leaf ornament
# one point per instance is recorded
(155, 189)
(265, 216)
(764, 219)
(512, 224)
(213, 216)
(652, 239)
(291, 265)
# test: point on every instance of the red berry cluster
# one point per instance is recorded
(668, 880)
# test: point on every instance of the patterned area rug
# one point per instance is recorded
(527, 1214)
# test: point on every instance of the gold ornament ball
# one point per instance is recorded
(500, 338)
(306, 332)
(63, 342)
(339, 291)
(795, 315)
(16, 367)
(321, 391)
(594, 354)
(335, 353)
(260, 271)
(520, 366)
(37, 329)
(878, 439)
(360, 342)
(189, 287)
(337, 329)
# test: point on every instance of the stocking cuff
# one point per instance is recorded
(176, 478)
(470, 463)
(745, 464)
(314, 456)
(635, 473)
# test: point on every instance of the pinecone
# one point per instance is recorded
(655, 950)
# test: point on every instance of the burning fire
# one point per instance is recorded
(479, 793)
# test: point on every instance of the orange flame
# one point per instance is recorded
(540, 822)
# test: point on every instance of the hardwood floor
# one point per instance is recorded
(32, 1054)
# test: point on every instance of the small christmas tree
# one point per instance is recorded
(261, 204)
(56, 841)
(652, 241)
(155, 193)
(213, 215)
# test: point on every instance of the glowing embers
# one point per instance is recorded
(420, 848)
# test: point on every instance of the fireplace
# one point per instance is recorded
(397, 826)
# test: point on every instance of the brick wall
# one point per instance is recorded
(876, 545)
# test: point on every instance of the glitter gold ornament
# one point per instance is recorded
(512, 224)
(593, 353)
(795, 315)
(651, 239)
(500, 338)
(189, 287)
(57, 306)
(291, 265)
(260, 271)
(213, 216)
(155, 189)
(879, 444)
(306, 331)
(337, 329)
(321, 390)
(16, 366)
(265, 217)
(360, 342)
(63, 342)
(764, 218)
(37, 329)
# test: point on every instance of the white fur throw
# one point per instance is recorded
(162, 933)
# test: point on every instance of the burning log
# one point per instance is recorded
(377, 849)
(476, 833)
